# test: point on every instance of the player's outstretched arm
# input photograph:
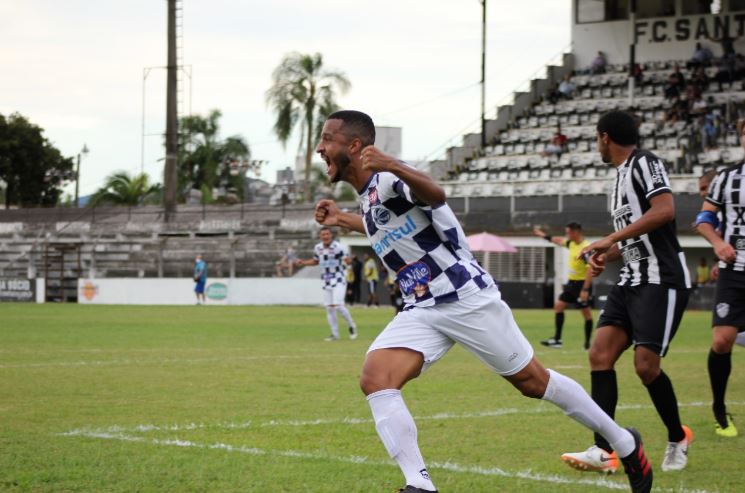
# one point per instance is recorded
(328, 214)
(422, 186)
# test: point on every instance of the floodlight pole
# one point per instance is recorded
(632, 50)
(483, 73)
(170, 178)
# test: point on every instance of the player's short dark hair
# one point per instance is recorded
(357, 125)
(325, 228)
(574, 226)
(620, 126)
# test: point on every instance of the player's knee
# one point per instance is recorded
(371, 382)
(646, 371)
(598, 357)
(721, 344)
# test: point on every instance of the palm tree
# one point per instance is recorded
(123, 189)
(303, 91)
(205, 159)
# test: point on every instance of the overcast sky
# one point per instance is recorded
(75, 67)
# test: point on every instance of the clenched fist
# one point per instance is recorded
(327, 213)
(374, 159)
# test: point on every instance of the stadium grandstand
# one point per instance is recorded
(520, 179)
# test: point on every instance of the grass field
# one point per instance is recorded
(251, 399)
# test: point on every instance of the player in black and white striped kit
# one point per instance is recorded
(333, 258)
(645, 307)
(726, 194)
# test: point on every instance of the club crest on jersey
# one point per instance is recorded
(722, 310)
(372, 196)
(414, 278)
(381, 215)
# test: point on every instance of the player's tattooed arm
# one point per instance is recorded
(328, 214)
(423, 188)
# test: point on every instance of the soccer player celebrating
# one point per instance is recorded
(577, 289)
(333, 257)
(725, 195)
(448, 298)
(645, 307)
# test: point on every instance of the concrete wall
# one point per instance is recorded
(659, 38)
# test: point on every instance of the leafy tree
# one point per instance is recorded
(206, 161)
(33, 170)
(303, 93)
(123, 189)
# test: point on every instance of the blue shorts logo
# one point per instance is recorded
(414, 278)
(381, 215)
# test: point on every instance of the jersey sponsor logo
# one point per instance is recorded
(657, 176)
(394, 235)
(372, 196)
(414, 278)
(634, 252)
(381, 215)
(722, 310)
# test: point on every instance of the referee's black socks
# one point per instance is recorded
(559, 323)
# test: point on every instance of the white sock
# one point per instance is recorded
(578, 405)
(347, 316)
(740, 339)
(331, 317)
(397, 430)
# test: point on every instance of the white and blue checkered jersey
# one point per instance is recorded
(424, 245)
(331, 261)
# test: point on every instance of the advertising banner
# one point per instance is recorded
(16, 289)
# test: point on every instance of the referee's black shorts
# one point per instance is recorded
(571, 293)
(650, 314)
(729, 305)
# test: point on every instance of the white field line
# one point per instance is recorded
(164, 361)
(361, 460)
(144, 428)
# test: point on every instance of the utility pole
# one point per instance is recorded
(170, 175)
(483, 73)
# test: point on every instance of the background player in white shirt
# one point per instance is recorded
(448, 299)
(333, 258)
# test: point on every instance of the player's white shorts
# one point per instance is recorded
(482, 323)
(335, 295)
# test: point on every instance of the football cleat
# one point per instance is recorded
(592, 459)
(331, 338)
(637, 467)
(676, 454)
(413, 489)
(353, 333)
(728, 431)
(552, 342)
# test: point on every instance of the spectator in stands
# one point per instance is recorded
(286, 262)
(697, 106)
(708, 132)
(676, 83)
(371, 276)
(728, 44)
(567, 88)
(678, 111)
(699, 80)
(200, 278)
(638, 74)
(599, 64)
(702, 57)
(558, 144)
